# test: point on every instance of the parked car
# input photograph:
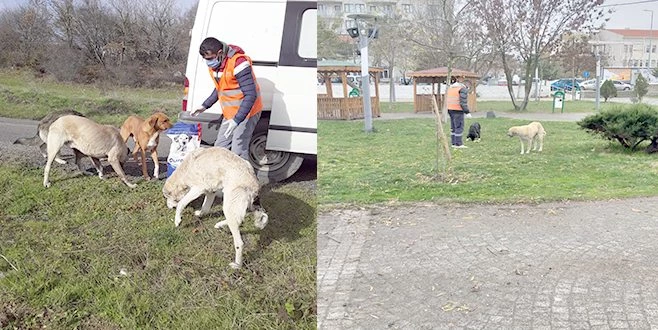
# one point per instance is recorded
(590, 84)
(622, 86)
(565, 84)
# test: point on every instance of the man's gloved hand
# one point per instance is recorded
(468, 115)
(198, 111)
(231, 127)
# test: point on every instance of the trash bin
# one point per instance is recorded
(575, 95)
(184, 138)
(558, 101)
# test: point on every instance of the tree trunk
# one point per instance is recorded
(441, 141)
(508, 77)
(391, 82)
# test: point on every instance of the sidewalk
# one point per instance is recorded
(574, 265)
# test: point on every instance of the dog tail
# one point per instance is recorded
(260, 217)
(32, 141)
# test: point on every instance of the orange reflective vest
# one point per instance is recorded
(452, 97)
(228, 90)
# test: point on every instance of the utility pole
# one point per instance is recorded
(598, 78)
(650, 37)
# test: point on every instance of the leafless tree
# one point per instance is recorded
(330, 44)
(63, 21)
(26, 33)
(93, 28)
(391, 48)
(530, 29)
(92, 40)
(157, 24)
(575, 54)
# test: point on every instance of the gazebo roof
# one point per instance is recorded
(343, 66)
(443, 72)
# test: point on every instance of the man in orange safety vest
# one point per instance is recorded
(457, 104)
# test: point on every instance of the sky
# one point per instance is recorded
(630, 14)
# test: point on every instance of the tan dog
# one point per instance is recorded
(42, 132)
(533, 134)
(207, 171)
(146, 134)
(88, 138)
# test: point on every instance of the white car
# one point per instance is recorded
(590, 84)
(622, 86)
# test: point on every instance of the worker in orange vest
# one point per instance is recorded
(457, 104)
(236, 90)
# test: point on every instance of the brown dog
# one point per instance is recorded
(146, 134)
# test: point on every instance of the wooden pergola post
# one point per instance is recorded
(376, 76)
(327, 83)
(415, 93)
(343, 79)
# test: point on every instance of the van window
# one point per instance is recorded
(299, 41)
(308, 39)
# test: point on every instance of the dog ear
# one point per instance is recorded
(152, 121)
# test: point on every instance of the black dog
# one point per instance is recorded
(474, 132)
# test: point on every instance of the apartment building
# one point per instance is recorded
(341, 9)
(629, 48)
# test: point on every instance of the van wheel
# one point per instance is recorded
(271, 165)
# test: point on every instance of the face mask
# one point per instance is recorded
(214, 63)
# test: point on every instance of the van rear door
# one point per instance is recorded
(293, 121)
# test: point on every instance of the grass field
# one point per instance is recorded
(26, 97)
(65, 248)
(87, 253)
(397, 163)
(506, 106)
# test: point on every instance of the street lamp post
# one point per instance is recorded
(650, 36)
(597, 53)
(364, 33)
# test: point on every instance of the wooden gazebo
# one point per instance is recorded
(437, 76)
(345, 107)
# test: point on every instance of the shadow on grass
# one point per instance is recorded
(288, 217)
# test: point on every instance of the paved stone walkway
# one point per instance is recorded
(578, 265)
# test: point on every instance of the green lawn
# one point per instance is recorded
(65, 247)
(397, 163)
(506, 106)
(24, 96)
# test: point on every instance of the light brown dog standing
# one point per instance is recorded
(89, 138)
(532, 134)
(146, 134)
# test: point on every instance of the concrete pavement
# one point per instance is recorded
(578, 265)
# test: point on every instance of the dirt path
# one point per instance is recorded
(553, 265)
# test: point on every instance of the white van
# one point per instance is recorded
(280, 37)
